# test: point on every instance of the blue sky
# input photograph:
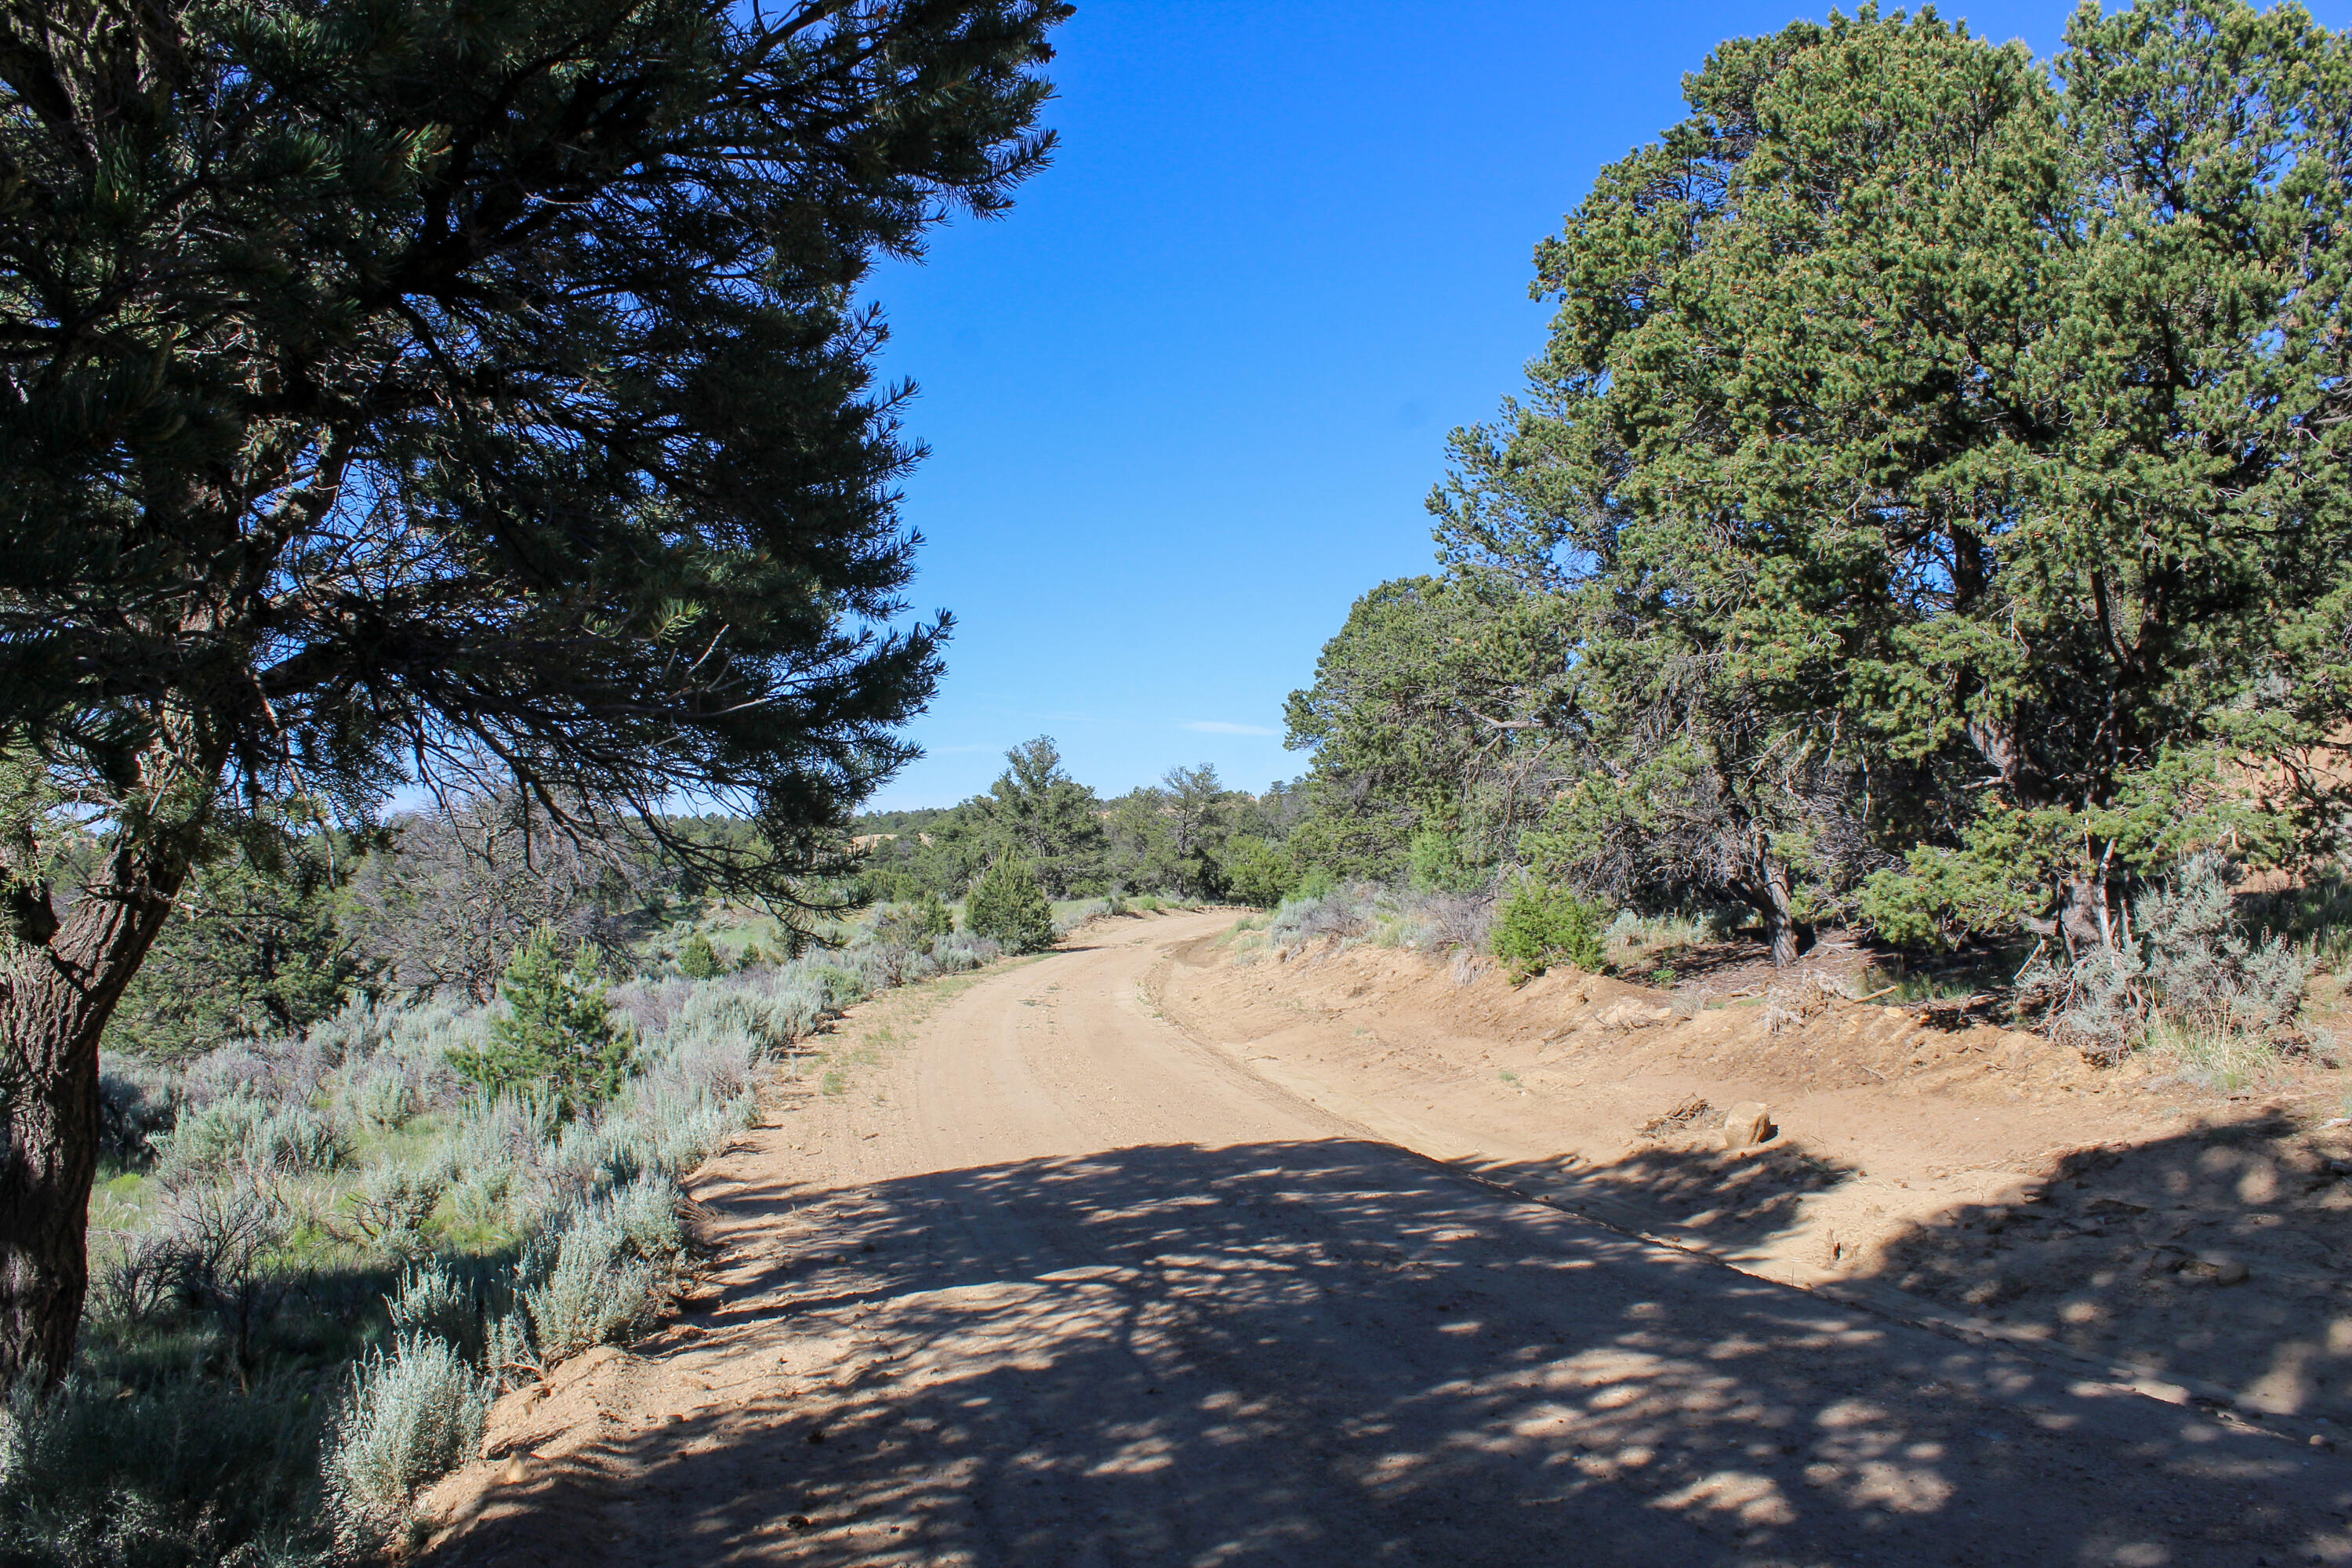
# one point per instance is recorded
(1185, 401)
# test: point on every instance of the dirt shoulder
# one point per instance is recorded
(1960, 1174)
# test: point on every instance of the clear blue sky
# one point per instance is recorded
(1185, 401)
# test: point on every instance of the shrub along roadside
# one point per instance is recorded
(315, 1256)
(1540, 926)
(1008, 905)
(2205, 979)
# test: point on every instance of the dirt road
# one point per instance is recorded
(1045, 1281)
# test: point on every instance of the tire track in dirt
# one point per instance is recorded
(1051, 1283)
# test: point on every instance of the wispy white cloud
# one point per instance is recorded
(1221, 727)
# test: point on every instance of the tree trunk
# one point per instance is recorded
(2085, 915)
(1791, 936)
(59, 981)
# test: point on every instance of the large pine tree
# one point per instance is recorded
(469, 396)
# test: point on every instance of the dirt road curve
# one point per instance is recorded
(1049, 1282)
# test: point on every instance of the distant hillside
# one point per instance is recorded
(872, 822)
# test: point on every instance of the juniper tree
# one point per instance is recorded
(1441, 705)
(1257, 873)
(1008, 905)
(1985, 432)
(400, 393)
(1037, 812)
(252, 952)
(1683, 788)
(1196, 808)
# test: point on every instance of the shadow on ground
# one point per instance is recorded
(1727, 1202)
(1335, 1353)
(2216, 1255)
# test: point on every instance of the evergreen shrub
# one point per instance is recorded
(1541, 926)
(559, 1037)
(1258, 874)
(432, 1299)
(1008, 906)
(697, 960)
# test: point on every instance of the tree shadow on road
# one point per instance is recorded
(1727, 1202)
(2213, 1256)
(1336, 1353)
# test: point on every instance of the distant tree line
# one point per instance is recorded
(435, 902)
(440, 901)
(1188, 836)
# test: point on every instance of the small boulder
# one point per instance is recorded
(1747, 1125)
(2222, 1269)
(516, 1471)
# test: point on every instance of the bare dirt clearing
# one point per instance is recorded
(1053, 1279)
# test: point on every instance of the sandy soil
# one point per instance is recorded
(1073, 1267)
(1940, 1170)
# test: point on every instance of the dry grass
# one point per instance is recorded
(2217, 1058)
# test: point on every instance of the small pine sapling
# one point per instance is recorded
(697, 960)
(934, 917)
(559, 1037)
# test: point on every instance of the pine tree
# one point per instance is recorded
(464, 397)
(933, 917)
(1008, 905)
(559, 1037)
(697, 959)
(1038, 811)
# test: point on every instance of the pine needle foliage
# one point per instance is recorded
(697, 959)
(466, 396)
(559, 1038)
(1944, 456)
(1540, 926)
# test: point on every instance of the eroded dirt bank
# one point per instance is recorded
(1966, 1173)
(1055, 1282)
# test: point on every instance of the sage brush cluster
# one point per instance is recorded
(2183, 959)
(1401, 917)
(349, 1193)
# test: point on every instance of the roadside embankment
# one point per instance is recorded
(1947, 1171)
